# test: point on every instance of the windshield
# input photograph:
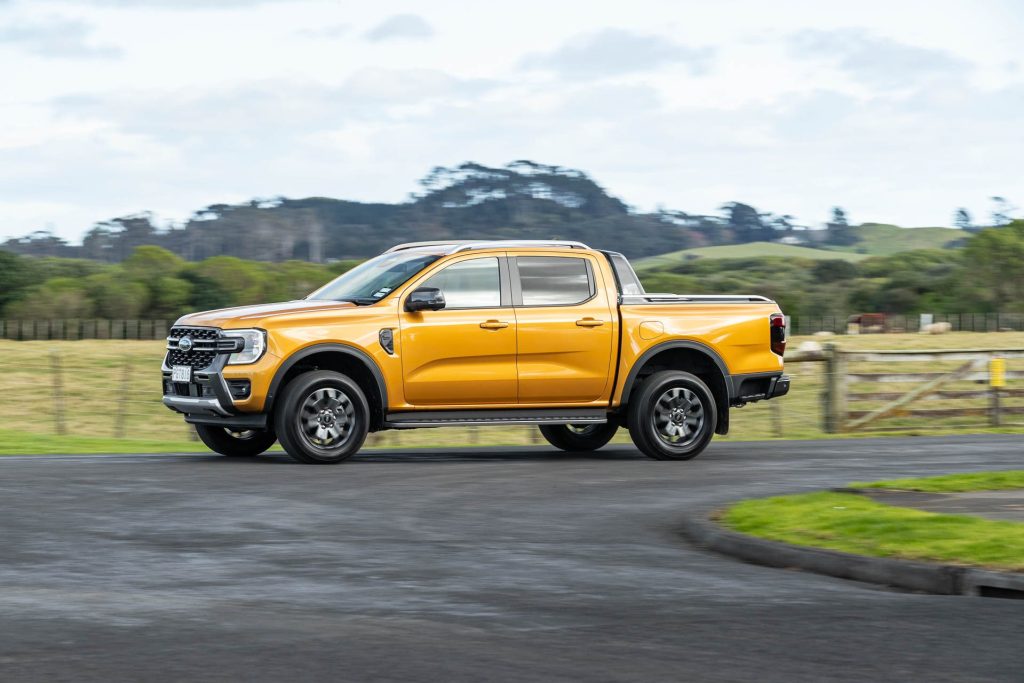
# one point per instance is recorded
(373, 280)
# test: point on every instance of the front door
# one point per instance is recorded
(566, 330)
(463, 355)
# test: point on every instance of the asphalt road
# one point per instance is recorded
(479, 565)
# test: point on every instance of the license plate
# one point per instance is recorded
(181, 373)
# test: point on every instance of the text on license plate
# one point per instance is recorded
(181, 373)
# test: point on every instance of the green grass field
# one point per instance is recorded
(856, 524)
(106, 397)
(749, 250)
(879, 239)
(876, 240)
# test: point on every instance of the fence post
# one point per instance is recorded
(776, 413)
(996, 382)
(122, 399)
(833, 395)
(58, 393)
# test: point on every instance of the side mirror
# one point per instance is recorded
(425, 299)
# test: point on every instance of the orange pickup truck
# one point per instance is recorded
(435, 334)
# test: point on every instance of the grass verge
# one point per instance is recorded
(13, 442)
(19, 443)
(856, 524)
(952, 483)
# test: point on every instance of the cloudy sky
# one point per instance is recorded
(898, 111)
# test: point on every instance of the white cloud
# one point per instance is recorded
(682, 105)
(876, 60)
(401, 26)
(330, 31)
(614, 51)
(173, 4)
(58, 38)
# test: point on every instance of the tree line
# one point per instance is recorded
(987, 275)
(152, 283)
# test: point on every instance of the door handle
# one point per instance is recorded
(493, 325)
(589, 322)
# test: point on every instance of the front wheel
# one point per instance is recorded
(672, 416)
(245, 443)
(579, 437)
(322, 418)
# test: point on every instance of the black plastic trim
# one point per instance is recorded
(362, 356)
(442, 418)
(386, 337)
(676, 344)
(506, 281)
(239, 421)
(777, 385)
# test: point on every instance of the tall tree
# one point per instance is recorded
(745, 222)
(962, 219)
(840, 233)
(1001, 210)
(994, 259)
(839, 218)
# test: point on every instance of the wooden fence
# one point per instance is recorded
(31, 330)
(45, 330)
(869, 397)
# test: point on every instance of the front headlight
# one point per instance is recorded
(255, 343)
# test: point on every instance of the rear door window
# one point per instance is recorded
(554, 280)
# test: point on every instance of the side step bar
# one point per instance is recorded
(451, 418)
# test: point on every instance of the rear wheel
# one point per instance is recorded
(322, 418)
(579, 437)
(672, 416)
(236, 443)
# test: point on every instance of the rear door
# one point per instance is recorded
(566, 329)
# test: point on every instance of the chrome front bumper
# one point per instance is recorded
(196, 406)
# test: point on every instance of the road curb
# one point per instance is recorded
(926, 577)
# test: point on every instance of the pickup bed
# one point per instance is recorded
(434, 334)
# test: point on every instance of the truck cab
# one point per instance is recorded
(433, 334)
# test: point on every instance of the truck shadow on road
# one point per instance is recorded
(459, 454)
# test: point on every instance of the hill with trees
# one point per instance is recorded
(522, 200)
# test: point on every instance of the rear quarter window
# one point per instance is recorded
(629, 283)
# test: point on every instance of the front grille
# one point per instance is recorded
(194, 332)
(198, 359)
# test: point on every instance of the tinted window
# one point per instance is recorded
(628, 281)
(554, 280)
(469, 284)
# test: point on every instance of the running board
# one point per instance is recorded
(458, 418)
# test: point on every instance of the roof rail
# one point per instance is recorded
(494, 244)
(432, 243)
(466, 245)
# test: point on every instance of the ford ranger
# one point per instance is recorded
(435, 334)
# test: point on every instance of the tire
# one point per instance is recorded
(236, 444)
(672, 416)
(576, 438)
(322, 418)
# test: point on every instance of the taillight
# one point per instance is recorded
(778, 333)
